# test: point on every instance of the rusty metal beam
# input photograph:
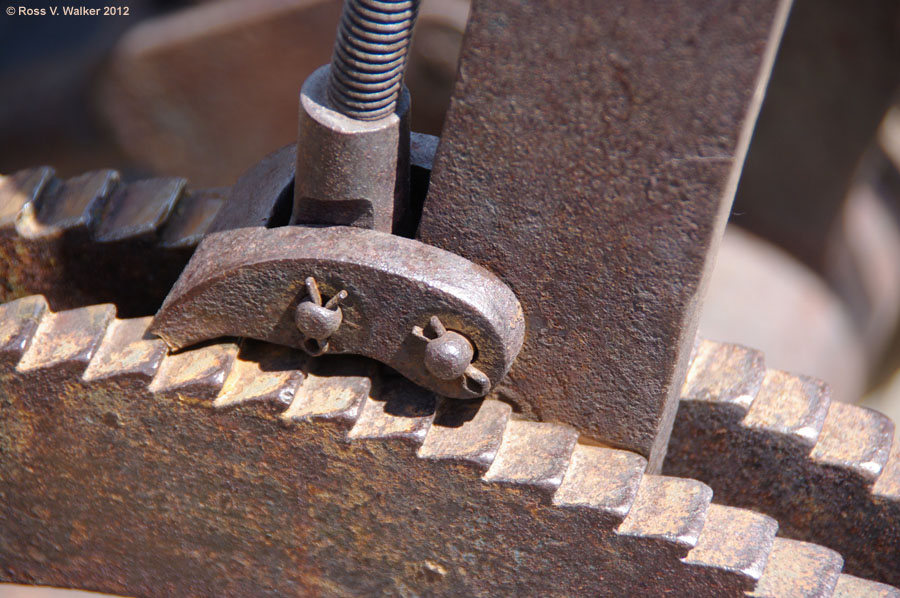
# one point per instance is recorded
(589, 159)
(775, 442)
(253, 471)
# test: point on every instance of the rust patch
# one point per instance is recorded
(349, 495)
(826, 471)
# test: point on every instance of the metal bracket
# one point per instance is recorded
(440, 320)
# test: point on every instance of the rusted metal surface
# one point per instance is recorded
(254, 471)
(835, 76)
(353, 135)
(853, 587)
(775, 442)
(316, 319)
(192, 217)
(598, 188)
(263, 195)
(352, 172)
(800, 570)
(95, 238)
(249, 282)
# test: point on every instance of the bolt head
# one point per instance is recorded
(448, 356)
(317, 322)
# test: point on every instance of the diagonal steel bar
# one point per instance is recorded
(597, 186)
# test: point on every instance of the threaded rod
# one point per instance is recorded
(370, 56)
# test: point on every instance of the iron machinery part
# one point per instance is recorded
(370, 56)
(317, 321)
(263, 195)
(77, 240)
(353, 138)
(312, 477)
(829, 472)
(352, 172)
(598, 190)
(249, 283)
(449, 355)
(848, 483)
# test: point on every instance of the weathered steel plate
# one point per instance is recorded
(589, 159)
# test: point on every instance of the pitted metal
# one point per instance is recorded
(448, 355)
(94, 237)
(597, 188)
(249, 282)
(317, 321)
(776, 442)
(318, 478)
(351, 172)
(353, 138)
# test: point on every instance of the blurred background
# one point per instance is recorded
(809, 270)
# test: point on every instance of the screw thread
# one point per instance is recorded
(370, 56)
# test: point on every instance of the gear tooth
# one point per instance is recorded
(139, 209)
(669, 509)
(887, 486)
(602, 479)
(737, 541)
(790, 405)
(127, 350)
(533, 454)
(68, 338)
(200, 371)
(399, 410)
(799, 570)
(797, 447)
(855, 439)
(854, 587)
(727, 375)
(262, 372)
(74, 204)
(19, 321)
(466, 431)
(192, 217)
(20, 189)
(334, 389)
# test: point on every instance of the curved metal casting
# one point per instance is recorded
(249, 282)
